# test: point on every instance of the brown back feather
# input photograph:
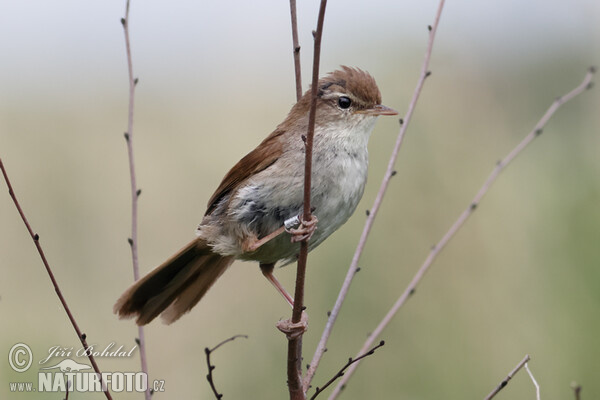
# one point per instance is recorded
(257, 160)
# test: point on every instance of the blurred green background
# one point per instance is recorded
(523, 276)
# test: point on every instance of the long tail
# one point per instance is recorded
(174, 287)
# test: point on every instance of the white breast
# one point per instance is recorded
(339, 178)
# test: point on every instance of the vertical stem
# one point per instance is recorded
(296, 50)
(295, 345)
(129, 138)
(133, 242)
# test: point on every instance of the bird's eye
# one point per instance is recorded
(344, 102)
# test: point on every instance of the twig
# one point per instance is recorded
(294, 369)
(375, 208)
(135, 192)
(537, 387)
(500, 166)
(340, 373)
(36, 240)
(508, 377)
(129, 139)
(576, 390)
(297, 70)
(211, 367)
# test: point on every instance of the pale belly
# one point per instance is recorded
(336, 192)
(275, 194)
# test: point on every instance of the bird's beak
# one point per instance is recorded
(377, 110)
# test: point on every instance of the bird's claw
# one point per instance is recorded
(300, 229)
(293, 330)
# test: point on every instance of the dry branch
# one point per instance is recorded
(508, 377)
(340, 373)
(295, 43)
(36, 240)
(537, 387)
(208, 352)
(294, 362)
(135, 192)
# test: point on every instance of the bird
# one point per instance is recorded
(256, 212)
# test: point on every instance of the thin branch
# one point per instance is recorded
(69, 383)
(296, 50)
(537, 387)
(340, 373)
(211, 367)
(375, 208)
(129, 139)
(473, 205)
(508, 378)
(135, 192)
(294, 369)
(36, 240)
(576, 390)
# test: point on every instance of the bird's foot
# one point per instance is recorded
(294, 330)
(300, 229)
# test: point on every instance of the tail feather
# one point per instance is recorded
(174, 287)
(190, 294)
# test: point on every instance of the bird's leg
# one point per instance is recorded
(267, 271)
(292, 330)
(252, 244)
(295, 226)
(300, 229)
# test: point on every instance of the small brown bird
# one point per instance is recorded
(255, 212)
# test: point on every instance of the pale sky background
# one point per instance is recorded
(77, 44)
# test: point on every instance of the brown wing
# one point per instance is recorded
(259, 159)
